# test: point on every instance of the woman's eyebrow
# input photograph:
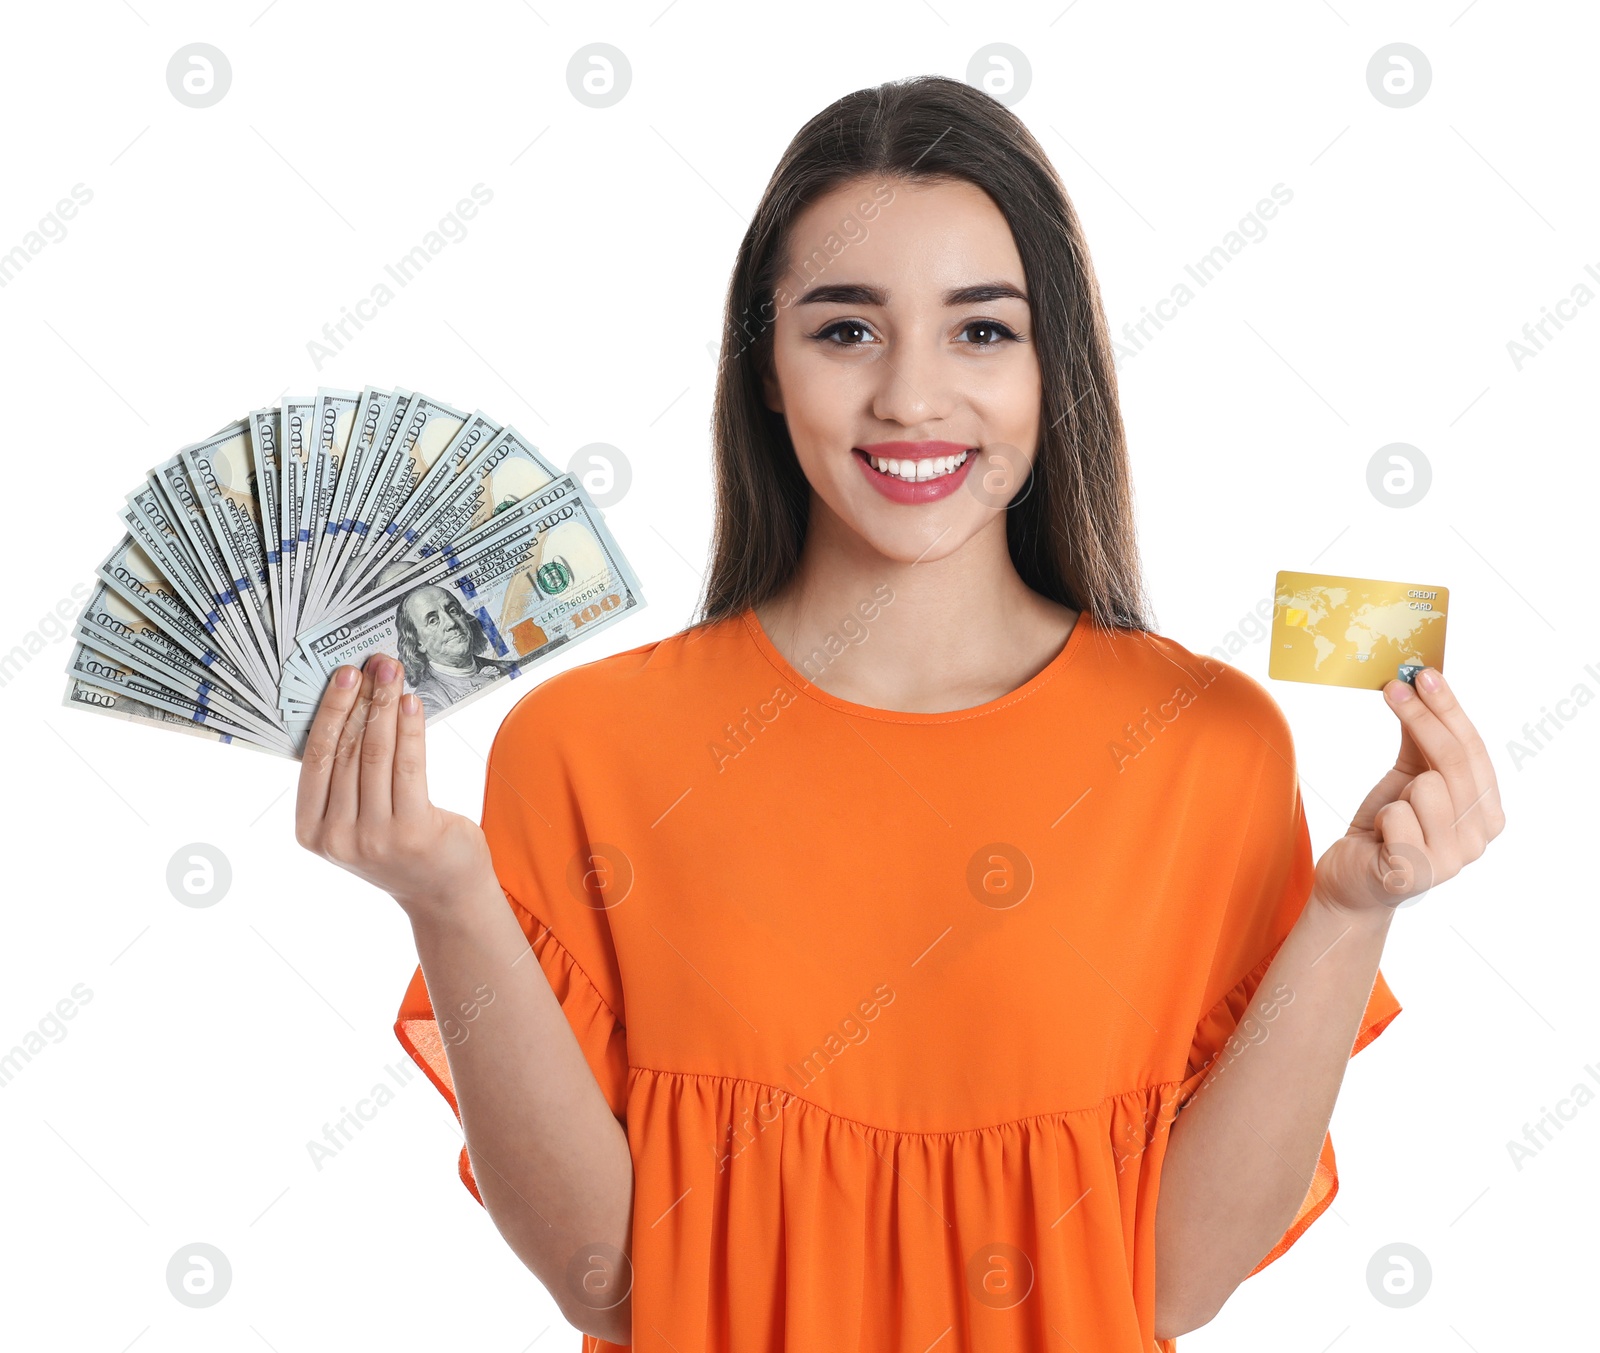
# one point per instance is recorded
(859, 293)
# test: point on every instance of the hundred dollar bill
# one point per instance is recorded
(455, 557)
(222, 470)
(192, 684)
(426, 429)
(475, 620)
(263, 426)
(109, 673)
(214, 556)
(115, 625)
(365, 490)
(120, 705)
(333, 419)
(498, 477)
(426, 495)
(372, 415)
(423, 430)
(294, 463)
(148, 519)
(136, 581)
(498, 487)
(506, 478)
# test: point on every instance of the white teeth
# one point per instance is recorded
(915, 471)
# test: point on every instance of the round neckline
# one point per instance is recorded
(1068, 651)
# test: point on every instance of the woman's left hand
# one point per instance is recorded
(1434, 813)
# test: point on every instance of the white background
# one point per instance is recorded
(218, 242)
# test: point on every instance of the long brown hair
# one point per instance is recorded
(1070, 528)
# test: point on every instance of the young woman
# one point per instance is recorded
(883, 920)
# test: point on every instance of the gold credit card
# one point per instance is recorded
(1355, 631)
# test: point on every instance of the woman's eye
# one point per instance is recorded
(840, 326)
(992, 326)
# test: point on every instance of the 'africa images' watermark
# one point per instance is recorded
(1251, 1031)
(852, 632)
(1538, 334)
(743, 333)
(1541, 732)
(341, 1132)
(1136, 336)
(54, 626)
(49, 1029)
(1538, 1135)
(451, 229)
(1138, 739)
(52, 229)
(773, 1100)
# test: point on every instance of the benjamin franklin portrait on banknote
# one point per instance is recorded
(443, 649)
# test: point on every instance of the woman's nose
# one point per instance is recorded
(911, 381)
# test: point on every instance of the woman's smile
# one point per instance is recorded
(914, 472)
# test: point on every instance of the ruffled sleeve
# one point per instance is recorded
(550, 878)
(1272, 884)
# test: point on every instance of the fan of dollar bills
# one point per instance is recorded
(325, 530)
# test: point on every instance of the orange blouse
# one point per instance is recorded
(896, 1008)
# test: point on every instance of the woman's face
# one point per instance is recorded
(907, 336)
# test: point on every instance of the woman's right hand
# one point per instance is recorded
(363, 800)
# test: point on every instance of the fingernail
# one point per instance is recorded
(1403, 691)
(410, 704)
(346, 677)
(382, 669)
(1428, 679)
